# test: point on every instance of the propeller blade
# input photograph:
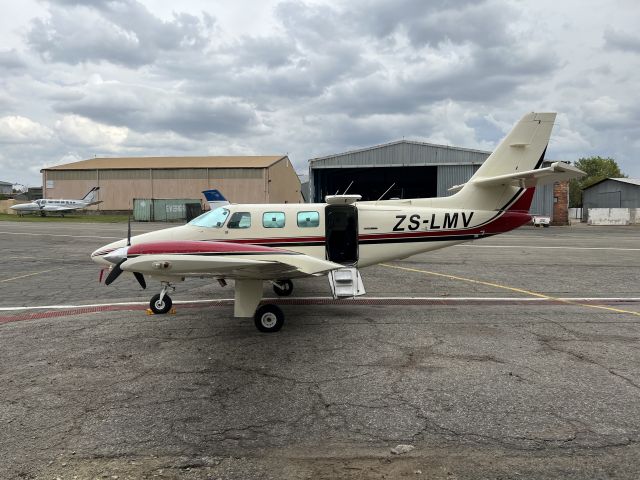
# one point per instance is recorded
(115, 272)
(140, 279)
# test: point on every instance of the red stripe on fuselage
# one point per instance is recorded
(523, 204)
(504, 223)
(195, 246)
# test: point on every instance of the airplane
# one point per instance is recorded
(215, 199)
(277, 243)
(61, 206)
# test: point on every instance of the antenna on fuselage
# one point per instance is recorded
(387, 191)
(347, 189)
(129, 232)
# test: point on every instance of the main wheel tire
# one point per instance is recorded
(283, 288)
(160, 307)
(268, 318)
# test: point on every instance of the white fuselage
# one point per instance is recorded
(50, 205)
(361, 234)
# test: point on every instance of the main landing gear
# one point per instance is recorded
(268, 318)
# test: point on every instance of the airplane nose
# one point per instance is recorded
(117, 255)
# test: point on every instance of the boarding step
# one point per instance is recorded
(346, 283)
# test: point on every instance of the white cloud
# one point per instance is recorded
(311, 77)
(17, 129)
(77, 130)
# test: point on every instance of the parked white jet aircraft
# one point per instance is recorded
(256, 243)
(60, 206)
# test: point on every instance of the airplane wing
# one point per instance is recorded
(556, 172)
(222, 260)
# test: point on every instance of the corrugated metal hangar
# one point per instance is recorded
(611, 193)
(418, 170)
(247, 179)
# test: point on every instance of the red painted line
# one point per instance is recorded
(314, 301)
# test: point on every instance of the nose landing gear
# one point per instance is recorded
(283, 288)
(161, 303)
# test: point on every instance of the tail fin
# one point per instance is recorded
(215, 199)
(213, 196)
(91, 195)
(514, 167)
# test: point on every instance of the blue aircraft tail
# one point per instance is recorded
(213, 196)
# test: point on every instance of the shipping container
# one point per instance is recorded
(165, 209)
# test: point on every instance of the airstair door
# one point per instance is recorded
(341, 232)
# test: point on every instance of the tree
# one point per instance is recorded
(596, 169)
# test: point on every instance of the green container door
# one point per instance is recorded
(142, 208)
(165, 209)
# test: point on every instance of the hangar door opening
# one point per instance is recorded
(371, 183)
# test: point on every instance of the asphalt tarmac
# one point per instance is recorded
(510, 357)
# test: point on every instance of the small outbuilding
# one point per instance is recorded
(241, 179)
(611, 193)
(6, 188)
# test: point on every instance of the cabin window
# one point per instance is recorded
(308, 219)
(240, 220)
(212, 219)
(273, 219)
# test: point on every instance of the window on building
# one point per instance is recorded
(308, 219)
(240, 220)
(273, 219)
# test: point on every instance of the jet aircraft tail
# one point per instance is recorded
(91, 195)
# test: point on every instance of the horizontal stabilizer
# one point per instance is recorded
(556, 172)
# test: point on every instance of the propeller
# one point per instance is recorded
(117, 270)
(140, 279)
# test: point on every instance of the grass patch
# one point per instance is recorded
(76, 217)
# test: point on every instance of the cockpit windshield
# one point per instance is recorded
(213, 219)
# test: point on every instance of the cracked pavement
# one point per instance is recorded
(500, 391)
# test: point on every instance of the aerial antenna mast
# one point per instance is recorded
(387, 191)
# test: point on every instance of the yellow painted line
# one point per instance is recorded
(513, 289)
(30, 275)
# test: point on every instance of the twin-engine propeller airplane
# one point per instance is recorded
(60, 206)
(255, 243)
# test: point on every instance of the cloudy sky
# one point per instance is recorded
(84, 78)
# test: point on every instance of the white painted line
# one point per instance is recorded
(549, 247)
(430, 299)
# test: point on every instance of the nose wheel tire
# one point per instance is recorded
(268, 318)
(283, 288)
(158, 306)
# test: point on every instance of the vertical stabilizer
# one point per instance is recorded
(521, 150)
(91, 195)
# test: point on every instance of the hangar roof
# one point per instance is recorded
(401, 152)
(118, 163)
(632, 181)
(400, 142)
